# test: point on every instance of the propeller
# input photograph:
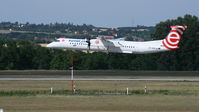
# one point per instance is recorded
(88, 40)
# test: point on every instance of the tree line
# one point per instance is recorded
(42, 33)
(28, 55)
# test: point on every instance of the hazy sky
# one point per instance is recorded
(104, 13)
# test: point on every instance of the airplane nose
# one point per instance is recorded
(49, 45)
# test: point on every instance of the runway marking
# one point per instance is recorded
(99, 79)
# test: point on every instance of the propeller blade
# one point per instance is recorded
(89, 43)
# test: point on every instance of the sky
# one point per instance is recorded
(100, 13)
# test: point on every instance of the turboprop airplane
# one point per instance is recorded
(120, 46)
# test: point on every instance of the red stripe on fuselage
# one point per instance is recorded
(170, 43)
(166, 45)
(176, 32)
(181, 29)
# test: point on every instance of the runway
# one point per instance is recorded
(99, 79)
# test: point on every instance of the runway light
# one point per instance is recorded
(51, 90)
(127, 91)
(145, 89)
(1, 110)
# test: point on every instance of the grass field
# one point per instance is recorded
(99, 85)
(186, 100)
(137, 103)
(97, 73)
(161, 96)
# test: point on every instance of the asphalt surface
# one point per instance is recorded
(99, 79)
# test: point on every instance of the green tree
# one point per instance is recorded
(41, 58)
(183, 58)
(60, 60)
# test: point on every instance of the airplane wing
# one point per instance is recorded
(109, 45)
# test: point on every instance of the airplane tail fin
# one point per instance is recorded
(174, 36)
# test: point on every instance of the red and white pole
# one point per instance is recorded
(72, 78)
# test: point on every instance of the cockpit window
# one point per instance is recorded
(57, 41)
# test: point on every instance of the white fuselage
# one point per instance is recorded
(120, 46)
(116, 46)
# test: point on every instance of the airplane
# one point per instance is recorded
(120, 46)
